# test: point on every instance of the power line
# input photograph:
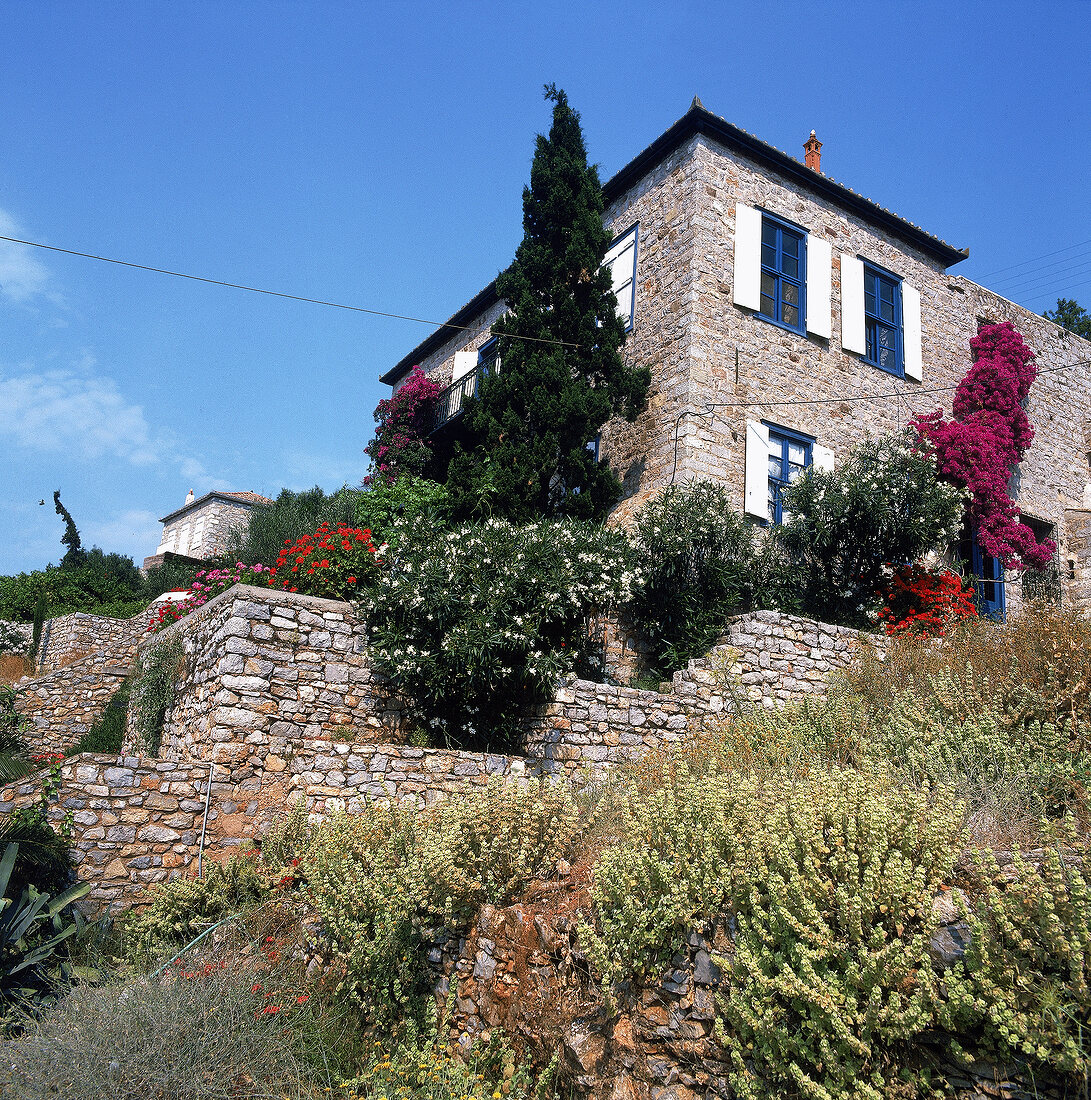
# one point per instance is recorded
(272, 293)
(1045, 276)
(1034, 259)
(710, 408)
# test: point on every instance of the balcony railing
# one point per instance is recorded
(451, 401)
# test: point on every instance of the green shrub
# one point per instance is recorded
(286, 519)
(390, 509)
(697, 563)
(44, 858)
(473, 622)
(14, 726)
(378, 878)
(99, 581)
(178, 910)
(1021, 995)
(203, 1032)
(883, 504)
(151, 695)
(108, 733)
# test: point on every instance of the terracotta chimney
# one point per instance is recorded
(813, 153)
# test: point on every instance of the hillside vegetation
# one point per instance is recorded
(821, 834)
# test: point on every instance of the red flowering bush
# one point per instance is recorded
(918, 600)
(989, 433)
(330, 563)
(404, 422)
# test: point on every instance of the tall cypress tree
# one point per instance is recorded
(75, 554)
(562, 375)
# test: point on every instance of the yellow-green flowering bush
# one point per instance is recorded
(378, 879)
(828, 880)
(1022, 995)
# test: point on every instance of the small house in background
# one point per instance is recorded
(200, 529)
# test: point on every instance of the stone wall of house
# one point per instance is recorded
(264, 670)
(63, 705)
(1075, 562)
(68, 637)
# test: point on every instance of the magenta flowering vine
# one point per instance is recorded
(989, 432)
(404, 420)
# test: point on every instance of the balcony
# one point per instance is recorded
(450, 403)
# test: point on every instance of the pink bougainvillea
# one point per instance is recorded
(404, 421)
(988, 434)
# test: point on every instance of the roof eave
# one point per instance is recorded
(699, 120)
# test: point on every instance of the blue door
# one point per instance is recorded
(989, 580)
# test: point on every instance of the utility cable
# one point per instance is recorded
(709, 408)
(275, 293)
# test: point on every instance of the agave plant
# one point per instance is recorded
(32, 928)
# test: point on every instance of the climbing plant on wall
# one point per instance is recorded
(988, 433)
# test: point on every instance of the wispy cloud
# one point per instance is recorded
(75, 411)
(23, 276)
(137, 531)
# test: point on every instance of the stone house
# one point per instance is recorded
(201, 527)
(783, 316)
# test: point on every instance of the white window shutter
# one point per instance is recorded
(756, 489)
(853, 337)
(819, 273)
(822, 458)
(911, 328)
(620, 260)
(747, 291)
(465, 361)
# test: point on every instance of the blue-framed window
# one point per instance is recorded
(987, 573)
(783, 273)
(488, 356)
(883, 321)
(790, 453)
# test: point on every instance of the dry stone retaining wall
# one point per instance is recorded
(265, 670)
(69, 637)
(276, 692)
(64, 705)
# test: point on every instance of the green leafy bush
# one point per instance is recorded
(697, 562)
(473, 622)
(390, 509)
(883, 504)
(286, 519)
(178, 910)
(101, 583)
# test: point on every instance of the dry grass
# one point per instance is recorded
(14, 666)
(1034, 667)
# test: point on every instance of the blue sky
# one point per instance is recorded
(374, 154)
